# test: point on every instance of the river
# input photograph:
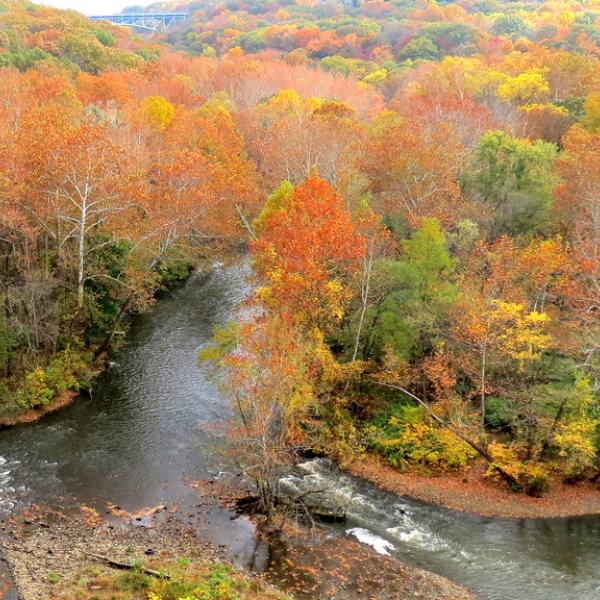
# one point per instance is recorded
(146, 431)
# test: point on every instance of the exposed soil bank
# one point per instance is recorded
(469, 491)
(33, 415)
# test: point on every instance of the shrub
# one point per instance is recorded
(66, 371)
(104, 37)
(575, 442)
(532, 477)
(406, 436)
(498, 412)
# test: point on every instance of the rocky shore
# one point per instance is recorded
(56, 556)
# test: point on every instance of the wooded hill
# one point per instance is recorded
(418, 183)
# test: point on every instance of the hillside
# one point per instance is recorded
(50, 39)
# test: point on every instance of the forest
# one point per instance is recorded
(417, 185)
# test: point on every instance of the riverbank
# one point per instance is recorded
(14, 412)
(32, 415)
(52, 555)
(323, 565)
(469, 491)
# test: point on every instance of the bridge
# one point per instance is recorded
(148, 21)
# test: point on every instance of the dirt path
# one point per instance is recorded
(471, 492)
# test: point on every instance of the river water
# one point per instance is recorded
(145, 432)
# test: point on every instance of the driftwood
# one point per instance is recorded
(117, 564)
(320, 510)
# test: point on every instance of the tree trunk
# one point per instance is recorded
(365, 289)
(81, 257)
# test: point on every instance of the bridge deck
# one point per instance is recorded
(175, 15)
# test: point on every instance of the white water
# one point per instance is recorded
(380, 545)
(499, 559)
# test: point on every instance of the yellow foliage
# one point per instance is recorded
(420, 442)
(313, 103)
(591, 106)
(160, 111)
(527, 87)
(334, 294)
(549, 108)
(575, 441)
(523, 337)
(533, 477)
(505, 458)
(376, 76)
(285, 101)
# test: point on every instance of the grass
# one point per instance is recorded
(188, 581)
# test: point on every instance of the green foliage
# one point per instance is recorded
(53, 578)
(103, 294)
(66, 371)
(135, 580)
(175, 267)
(347, 66)
(23, 59)
(104, 37)
(84, 49)
(274, 202)
(252, 41)
(218, 584)
(514, 178)
(573, 105)
(498, 412)
(509, 25)
(419, 48)
(9, 342)
(187, 581)
(457, 39)
(149, 54)
(419, 290)
(339, 434)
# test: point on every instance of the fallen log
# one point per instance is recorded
(117, 564)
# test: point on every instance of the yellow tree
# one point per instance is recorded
(525, 88)
(494, 330)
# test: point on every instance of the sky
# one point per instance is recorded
(94, 7)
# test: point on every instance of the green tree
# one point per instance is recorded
(514, 178)
(420, 290)
(85, 50)
(419, 48)
(510, 26)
